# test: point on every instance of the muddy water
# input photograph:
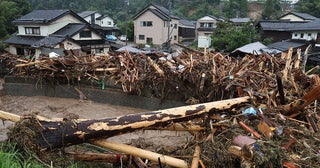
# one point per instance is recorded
(62, 107)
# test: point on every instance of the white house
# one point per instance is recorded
(44, 31)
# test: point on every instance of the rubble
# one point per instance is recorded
(279, 127)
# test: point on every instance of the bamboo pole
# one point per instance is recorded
(9, 116)
(167, 160)
(196, 157)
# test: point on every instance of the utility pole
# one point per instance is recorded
(127, 6)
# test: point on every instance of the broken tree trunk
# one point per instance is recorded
(44, 134)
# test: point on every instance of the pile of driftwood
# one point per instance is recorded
(255, 111)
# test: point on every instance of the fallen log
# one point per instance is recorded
(155, 157)
(99, 157)
(45, 134)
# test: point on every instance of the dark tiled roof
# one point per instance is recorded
(240, 20)
(279, 25)
(187, 23)
(165, 11)
(35, 41)
(159, 14)
(102, 17)
(70, 29)
(23, 40)
(312, 25)
(285, 45)
(41, 16)
(86, 13)
(49, 41)
(158, 10)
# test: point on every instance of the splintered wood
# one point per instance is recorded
(280, 100)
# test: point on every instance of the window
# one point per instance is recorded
(32, 30)
(146, 23)
(295, 34)
(206, 25)
(85, 34)
(149, 40)
(175, 26)
(301, 35)
(309, 34)
(109, 23)
(141, 37)
(174, 37)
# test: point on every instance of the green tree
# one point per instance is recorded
(228, 37)
(129, 27)
(272, 10)
(311, 7)
(236, 8)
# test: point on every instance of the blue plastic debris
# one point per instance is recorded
(249, 111)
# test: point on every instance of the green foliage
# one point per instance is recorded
(10, 10)
(272, 10)
(311, 7)
(129, 27)
(236, 8)
(11, 158)
(228, 37)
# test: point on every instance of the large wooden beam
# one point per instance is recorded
(50, 134)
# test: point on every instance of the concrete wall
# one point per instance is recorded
(18, 86)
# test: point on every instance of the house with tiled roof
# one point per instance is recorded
(155, 25)
(204, 29)
(103, 23)
(44, 31)
(297, 17)
(282, 29)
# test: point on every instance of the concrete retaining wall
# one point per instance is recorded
(18, 86)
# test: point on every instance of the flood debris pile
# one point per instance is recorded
(267, 117)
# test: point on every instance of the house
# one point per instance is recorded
(278, 30)
(155, 25)
(282, 29)
(204, 29)
(45, 31)
(186, 30)
(206, 25)
(104, 24)
(297, 17)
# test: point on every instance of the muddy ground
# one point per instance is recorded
(63, 107)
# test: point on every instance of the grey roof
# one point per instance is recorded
(187, 23)
(130, 49)
(49, 41)
(23, 40)
(240, 20)
(285, 45)
(102, 17)
(35, 41)
(70, 29)
(279, 25)
(252, 48)
(86, 13)
(158, 10)
(304, 16)
(165, 11)
(42, 16)
(312, 25)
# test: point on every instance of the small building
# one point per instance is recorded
(155, 25)
(186, 30)
(102, 23)
(297, 17)
(204, 29)
(44, 31)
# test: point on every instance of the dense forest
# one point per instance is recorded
(121, 10)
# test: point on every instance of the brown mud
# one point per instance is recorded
(53, 107)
